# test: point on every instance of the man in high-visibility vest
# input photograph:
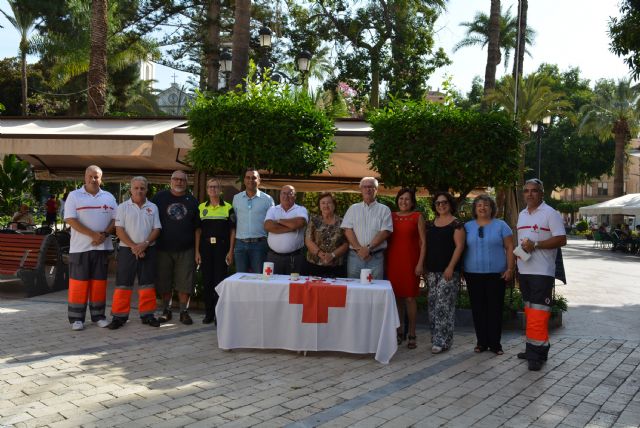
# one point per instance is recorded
(540, 232)
(138, 227)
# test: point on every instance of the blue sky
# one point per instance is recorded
(569, 33)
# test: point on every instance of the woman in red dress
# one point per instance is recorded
(405, 259)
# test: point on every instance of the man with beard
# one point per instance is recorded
(180, 219)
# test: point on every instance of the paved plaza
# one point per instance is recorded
(176, 375)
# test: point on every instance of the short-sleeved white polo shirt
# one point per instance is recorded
(289, 242)
(93, 211)
(540, 225)
(137, 221)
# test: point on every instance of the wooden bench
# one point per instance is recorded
(34, 259)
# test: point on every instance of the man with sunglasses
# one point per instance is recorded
(540, 233)
(180, 218)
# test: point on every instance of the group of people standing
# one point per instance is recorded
(164, 241)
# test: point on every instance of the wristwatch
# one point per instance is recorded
(535, 245)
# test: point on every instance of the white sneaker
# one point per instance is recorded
(102, 323)
(77, 325)
(436, 349)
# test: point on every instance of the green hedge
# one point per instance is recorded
(267, 126)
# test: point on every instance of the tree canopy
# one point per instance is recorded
(625, 35)
(440, 147)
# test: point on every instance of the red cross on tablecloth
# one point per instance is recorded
(316, 297)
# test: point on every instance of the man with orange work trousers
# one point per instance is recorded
(138, 227)
(540, 232)
(90, 211)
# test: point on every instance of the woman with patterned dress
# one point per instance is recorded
(488, 265)
(325, 241)
(215, 241)
(445, 244)
(406, 250)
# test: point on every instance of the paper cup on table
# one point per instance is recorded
(521, 253)
(365, 276)
(267, 270)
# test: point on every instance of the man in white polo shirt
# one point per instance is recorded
(540, 232)
(367, 225)
(137, 226)
(285, 224)
(90, 211)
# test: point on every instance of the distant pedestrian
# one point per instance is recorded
(91, 212)
(541, 233)
(52, 211)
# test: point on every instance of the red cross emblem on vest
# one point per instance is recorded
(316, 297)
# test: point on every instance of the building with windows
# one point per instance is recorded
(601, 189)
(174, 100)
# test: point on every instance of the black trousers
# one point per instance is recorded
(486, 291)
(313, 269)
(284, 264)
(214, 270)
(537, 292)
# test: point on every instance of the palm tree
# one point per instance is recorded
(240, 41)
(615, 110)
(24, 21)
(521, 45)
(536, 99)
(97, 75)
(478, 34)
(493, 48)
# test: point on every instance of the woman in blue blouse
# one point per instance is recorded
(488, 265)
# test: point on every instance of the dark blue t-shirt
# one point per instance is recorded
(179, 217)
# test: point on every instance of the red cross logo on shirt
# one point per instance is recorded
(316, 299)
(535, 227)
(268, 271)
(149, 210)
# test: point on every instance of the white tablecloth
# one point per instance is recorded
(256, 313)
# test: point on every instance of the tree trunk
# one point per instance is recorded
(493, 51)
(212, 45)
(23, 67)
(621, 136)
(240, 40)
(374, 102)
(518, 61)
(97, 75)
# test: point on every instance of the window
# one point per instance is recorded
(603, 189)
(589, 189)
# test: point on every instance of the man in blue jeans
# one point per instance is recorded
(367, 225)
(251, 208)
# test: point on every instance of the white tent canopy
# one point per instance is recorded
(625, 205)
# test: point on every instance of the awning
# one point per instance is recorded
(61, 148)
(624, 205)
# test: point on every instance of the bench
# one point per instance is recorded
(34, 259)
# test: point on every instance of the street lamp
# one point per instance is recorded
(225, 66)
(303, 59)
(539, 129)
